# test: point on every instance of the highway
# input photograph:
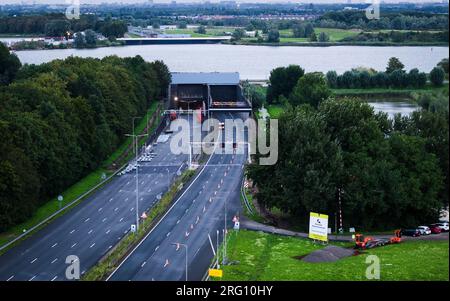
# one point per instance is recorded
(199, 211)
(95, 225)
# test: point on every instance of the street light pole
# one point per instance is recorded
(135, 143)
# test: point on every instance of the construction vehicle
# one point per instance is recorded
(369, 242)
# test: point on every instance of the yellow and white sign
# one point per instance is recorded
(215, 273)
(318, 226)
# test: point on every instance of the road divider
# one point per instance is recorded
(114, 257)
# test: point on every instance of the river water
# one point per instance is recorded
(256, 62)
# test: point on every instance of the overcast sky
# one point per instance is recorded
(190, 1)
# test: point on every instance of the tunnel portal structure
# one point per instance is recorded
(209, 91)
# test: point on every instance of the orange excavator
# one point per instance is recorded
(369, 242)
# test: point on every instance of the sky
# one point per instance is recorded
(191, 1)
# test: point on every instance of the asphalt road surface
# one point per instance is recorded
(94, 226)
(199, 211)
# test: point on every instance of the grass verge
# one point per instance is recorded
(262, 256)
(111, 260)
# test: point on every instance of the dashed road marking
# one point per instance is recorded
(31, 279)
(33, 260)
(116, 209)
(90, 231)
(72, 231)
(54, 260)
(92, 245)
(54, 278)
(73, 245)
(100, 209)
(55, 245)
(10, 278)
(108, 231)
(168, 233)
(142, 265)
(86, 220)
(103, 220)
(120, 220)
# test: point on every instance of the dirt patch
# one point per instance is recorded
(328, 254)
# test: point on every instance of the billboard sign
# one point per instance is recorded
(318, 226)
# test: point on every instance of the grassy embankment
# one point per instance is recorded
(111, 260)
(84, 185)
(210, 32)
(263, 256)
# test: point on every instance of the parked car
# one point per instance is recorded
(435, 229)
(443, 226)
(424, 230)
(411, 232)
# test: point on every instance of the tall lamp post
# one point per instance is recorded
(177, 244)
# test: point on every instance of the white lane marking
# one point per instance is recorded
(150, 190)
(73, 245)
(55, 245)
(92, 245)
(126, 199)
(31, 279)
(90, 231)
(100, 209)
(72, 231)
(132, 208)
(118, 238)
(54, 278)
(10, 278)
(54, 260)
(33, 260)
(121, 219)
(104, 219)
(86, 220)
(156, 249)
(128, 183)
(110, 200)
(109, 247)
(116, 209)
(107, 231)
(168, 233)
(178, 221)
(142, 265)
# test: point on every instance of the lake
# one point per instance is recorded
(256, 62)
(393, 107)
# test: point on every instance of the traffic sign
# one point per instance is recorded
(133, 228)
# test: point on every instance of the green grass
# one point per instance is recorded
(267, 257)
(210, 32)
(335, 34)
(254, 215)
(79, 188)
(275, 110)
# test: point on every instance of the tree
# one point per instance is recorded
(332, 79)
(394, 64)
(238, 34)
(116, 29)
(273, 36)
(311, 89)
(313, 37)
(437, 76)
(9, 65)
(79, 41)
(182, 25)
(323, 37)
(57, 28)
(90, 37)
(282, 80)
(444, 65)
(298, 31)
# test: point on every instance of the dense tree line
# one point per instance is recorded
(394, 77)
(386, 173)
(60, 120)
(58, 25)
(398, 21)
